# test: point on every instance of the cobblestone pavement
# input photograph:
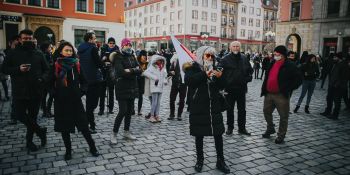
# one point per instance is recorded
(314, 145)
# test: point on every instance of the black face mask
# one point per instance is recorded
(28, 45)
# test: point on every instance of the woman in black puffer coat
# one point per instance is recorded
(205, 108)
(126, 70)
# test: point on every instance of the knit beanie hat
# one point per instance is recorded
(143, 53)
(282, 50)
(125, 42)
(111, 39)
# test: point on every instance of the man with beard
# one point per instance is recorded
(28, 69)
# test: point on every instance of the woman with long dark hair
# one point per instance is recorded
(67, 84)
(310, 73)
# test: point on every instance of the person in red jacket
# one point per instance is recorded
(282, 77)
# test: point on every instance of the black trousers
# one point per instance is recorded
(181, 90)
(323, 77)
(125, 108)
(26, 111)
(6, 89)
(92, 95)
(262, 73)
(68, 143)
(334, 96)
(256, 73)
(103, 88)
(232, 98)
(139, 103)
(218, 145)
(345, 96)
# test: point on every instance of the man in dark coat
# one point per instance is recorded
(28, 70)
(264, 65)
(91, 66)
(281, 79)
(107, 83)
(177, 87)
(338, 79)
(237, 72)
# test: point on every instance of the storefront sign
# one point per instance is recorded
(11, 18)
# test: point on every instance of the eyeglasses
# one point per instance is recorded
(209, 55)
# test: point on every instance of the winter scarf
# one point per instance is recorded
(64, 65)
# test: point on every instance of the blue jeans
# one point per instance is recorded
(308, 86)
(155, 103)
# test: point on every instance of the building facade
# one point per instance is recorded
(317, 26)
(229, 16)
(54, 20)
(194, 23)
(250, 25)
(269, 25)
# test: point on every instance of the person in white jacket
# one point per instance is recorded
(157, 74)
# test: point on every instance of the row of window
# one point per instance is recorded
(205, 3)
(251, 21)
(250, 34)
(251, 10)
(204, 15)
(81, 5)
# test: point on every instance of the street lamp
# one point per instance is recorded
(270, 34)
(205, 37)
(49, 35)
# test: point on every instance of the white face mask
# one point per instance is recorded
(235, 52)
(208, 65)
(277, 58)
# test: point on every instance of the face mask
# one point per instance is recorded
(28, 45)
(127, 50)
(208, 65)
(235, 52)
(277, 58)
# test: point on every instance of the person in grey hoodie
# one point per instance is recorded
(91, 65)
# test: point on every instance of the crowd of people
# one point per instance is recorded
(213, 83)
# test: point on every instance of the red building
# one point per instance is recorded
(53, 20)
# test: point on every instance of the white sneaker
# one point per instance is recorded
(152, 119)
(114, 138)
(127, 135)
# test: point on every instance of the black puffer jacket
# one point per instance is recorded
(339, 75)
(237, 72)
(310, 71)
(289, 78)
(205, 115)
(126, 82)
(26, 85)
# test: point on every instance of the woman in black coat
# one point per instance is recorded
(66, 82)
(126, 70)
(205, 109)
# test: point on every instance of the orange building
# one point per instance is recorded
(53, 20)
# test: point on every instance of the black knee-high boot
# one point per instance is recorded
(67, 144)
(200, 157)
(220, 164)
(91, 143)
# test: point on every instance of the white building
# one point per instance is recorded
(250, 25)
(152, 22)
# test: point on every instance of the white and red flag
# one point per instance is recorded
(183, 54)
